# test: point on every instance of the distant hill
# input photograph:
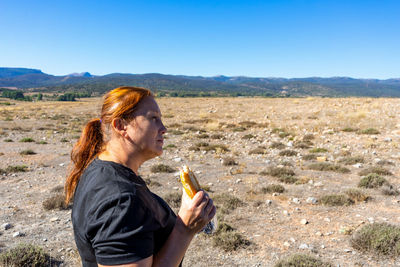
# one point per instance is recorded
(181, 85)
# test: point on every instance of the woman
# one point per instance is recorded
(117, 221)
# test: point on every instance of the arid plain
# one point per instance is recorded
(285, 174)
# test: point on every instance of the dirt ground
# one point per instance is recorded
(276, 225)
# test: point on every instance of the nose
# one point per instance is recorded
(163, 130)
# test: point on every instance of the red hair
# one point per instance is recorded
(118, 103)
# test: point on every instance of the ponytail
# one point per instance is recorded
(85, 150)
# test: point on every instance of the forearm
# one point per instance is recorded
(171, 254)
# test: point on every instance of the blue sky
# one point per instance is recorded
(359, 39)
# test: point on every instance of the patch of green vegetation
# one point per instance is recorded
(349, 129)
(302, 260)
(288, 179)
(377, 169)
(303, 144)
(370, 131)
(170, 146)
(288, 153)
(27, 140)
(26, 255)
(42, 143)
(27, 152)
(162, 168)
(248, 136)
(325, 166)
(64, 140)
(372, 180)
(318, 150)
(378, 238)
(239, 129)
(336, 200)
(280, 172)
(228, 202)
(273, 188)
(8, 140)
(352, 160)
(357, 195)
(230, 241)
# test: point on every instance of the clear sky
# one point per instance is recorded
(359, 39)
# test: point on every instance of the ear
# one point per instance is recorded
(119, 126)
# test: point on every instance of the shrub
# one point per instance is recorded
(25, 255)
(288, 153)
(248, 124)
(228, 201)
(224, 227)
(352, 160)
(248, 136)
(389, 190)
(64, 140)
(385, 162)
(288, 179)
(55, 202)
(302, 260)
(217, 148)
(372, 180)
(277, 145)
(203, 135)
(175, 132)
(318, 150)
(16, 168)
(229, 161)
(230, 241)
(8, 140)
(336, 200)
(27, 152)
(280, 172)
(370, 131)
(357, 195)
(162, 168)
(324, 166)
(349, 129)
(170, 146)
(150, 182)
(273, 188)
(27, 140)
(239, 129)
(258, 151)
(41, 143)
(173, 199)
(310, 157)
(308, 137)
(377, 169)
(217, 136)
(378, 238)
(303, 145)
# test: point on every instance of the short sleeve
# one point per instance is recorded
(121, 230)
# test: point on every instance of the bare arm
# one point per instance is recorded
(193, 215)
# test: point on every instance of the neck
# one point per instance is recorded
(119, 153)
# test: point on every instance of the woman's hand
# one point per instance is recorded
(197, 212)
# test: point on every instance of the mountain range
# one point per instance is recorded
(180, 85)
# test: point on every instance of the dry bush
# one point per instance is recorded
(27, 152)
(217, 136)
(336, 200)
(228, 202)
(389, 190)
(273, 188)
(258, 151)
(357, 195)
(55, 202)
(218, 148)
(26, 255)
(248, 136)
(173, 199)
(57, 189)
(372, 180)
(302, 260)
(325, 166)
(378, 238)
(248, 124)
(369, 131)
(308, 137)
(41, 143)
(310, 156)
(385, 162)
(352, 160)
(288, 179)
(203, 135)
(229, 161)
(27, 140)
(288, 153)
(303, 144)
(277, 145)
(170, 146)
(318, 150)
(349, 129)
(174, 125)
(162, 168)
(13, 169)
(8, 140)
(230, 241)
(175, 132)
(280, 172)
(239, 129)
(376, 169)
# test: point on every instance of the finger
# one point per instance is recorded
(198, 198)
(209, 206)
(212, 213)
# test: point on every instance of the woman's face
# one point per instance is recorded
(146, 130)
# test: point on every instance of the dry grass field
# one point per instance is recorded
(289, 176)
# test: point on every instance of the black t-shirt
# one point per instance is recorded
(116, 219)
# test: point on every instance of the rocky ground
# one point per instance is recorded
(232, 144)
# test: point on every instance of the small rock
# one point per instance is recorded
(238, 181)
(296, 200)
(388, 139)
(321, 159)
(304, 221)
(16, 234)
(175, 188)
(44, 239)
(286, 244)
(312, 200)
(54, 219)
(347, 250)
(292, 240)
(318, 184)
(286, 212)
(357, 165)
(303, 246)
(327, 219)
(6, 226)
(68, 249)
(371, 220)
(210, 184)
(230, 189)
(275, 194)
(318, 234)
(322, 246)
(61, 164)
(177, 159)
(290, 144)
(268, 202)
